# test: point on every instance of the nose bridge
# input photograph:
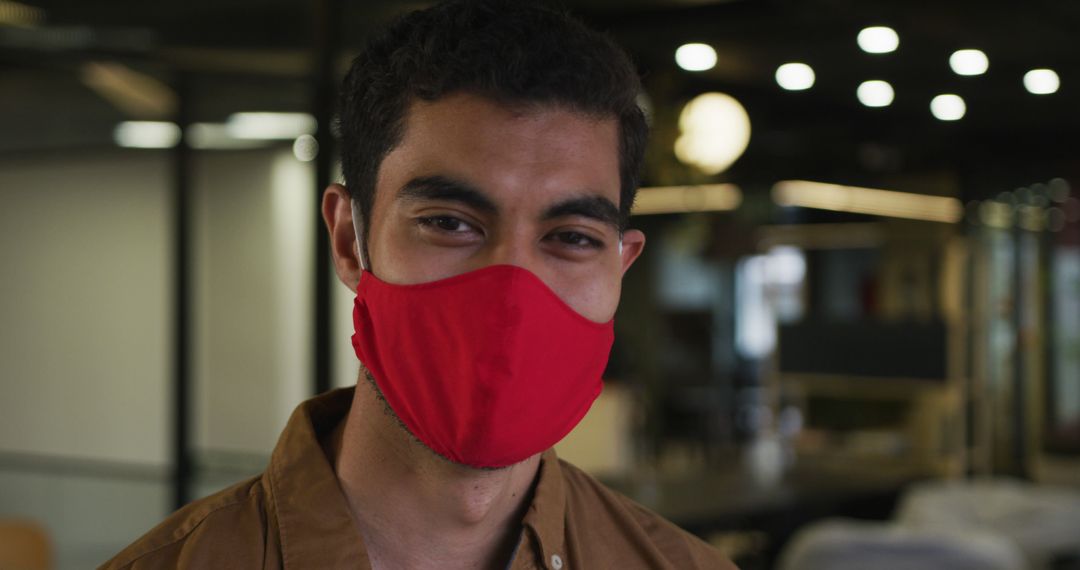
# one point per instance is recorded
(515, 246)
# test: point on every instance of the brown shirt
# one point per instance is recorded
(295, 516)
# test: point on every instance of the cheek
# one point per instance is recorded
(391, 250)
(596, 299)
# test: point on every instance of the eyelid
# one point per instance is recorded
(428, 221)
(445, 211)
(586, 230)
(594, 243)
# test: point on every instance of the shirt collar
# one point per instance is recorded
(315, 525)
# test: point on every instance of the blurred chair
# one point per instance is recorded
(24, 545)
(1043, 521)
(842, 544)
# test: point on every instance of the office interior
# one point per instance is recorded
(852, 341)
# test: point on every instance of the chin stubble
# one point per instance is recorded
(389, 411)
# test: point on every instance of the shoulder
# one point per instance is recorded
(629, 529)
(229, 526)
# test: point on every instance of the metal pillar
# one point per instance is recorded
(182, 294)
(326, 44)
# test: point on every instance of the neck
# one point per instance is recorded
(415, 509)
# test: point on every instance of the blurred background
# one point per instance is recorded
(852, 341)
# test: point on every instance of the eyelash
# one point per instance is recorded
(590, 242)
(432, 222)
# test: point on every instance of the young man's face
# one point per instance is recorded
(475, 183)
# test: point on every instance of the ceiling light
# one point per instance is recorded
(969, 62)
(795, 76)
(18, 14)
(878, 39)
(948, 107)
(147, 134)
(695, 57)
(216, 136)
(867, 201)
(677, 199)
(305, 148)
(270, 126)
(1042, 81)
(715, 131)
(137, 94)
(875, 93)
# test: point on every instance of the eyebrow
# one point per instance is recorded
(597, 208)
(443, 188)
(438, 187)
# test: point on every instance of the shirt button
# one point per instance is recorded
(556, 562)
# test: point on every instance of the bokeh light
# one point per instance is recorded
(948, 107)
(875, 93)
(1042, 81)
(696, 57)
(969, 62)
(715, 132)
(795, 76)
(878, 39)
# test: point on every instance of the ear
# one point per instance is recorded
(633, 243)
(337, 213)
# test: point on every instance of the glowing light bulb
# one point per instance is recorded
(948, 107)
(878, 39)
(969, 62)
(795, 76)
(715, 131)
(1042, 81)
(696, 57)
(875, 93)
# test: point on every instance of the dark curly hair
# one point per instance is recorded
(509, 51)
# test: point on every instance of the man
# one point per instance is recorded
(490, 151)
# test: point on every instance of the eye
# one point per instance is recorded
(578, 240)
(447, 224)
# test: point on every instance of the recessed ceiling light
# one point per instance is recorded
(875, 93)
(969, 62)
(1042, 81)
(695, 57)
(795, 76)
(948, 107)
(878, 39)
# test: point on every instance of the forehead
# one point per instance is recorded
(515, 153)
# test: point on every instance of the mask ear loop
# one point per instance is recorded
(620, 243)
(358, 226)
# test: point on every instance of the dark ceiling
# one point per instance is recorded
(243, 54)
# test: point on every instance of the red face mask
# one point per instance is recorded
(486, 368)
